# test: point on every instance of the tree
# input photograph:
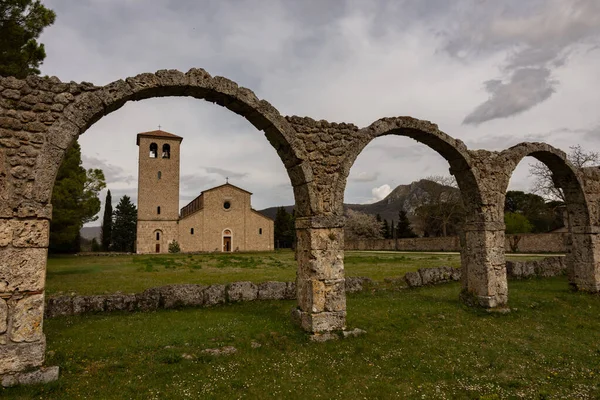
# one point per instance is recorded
(174, 247)
(517, 223)
(95, 245)
(543, 216)
(543, 184)
(284, 229)
(404, 228)
(362, 226)
(107, 223)
(440, 209)
(21, 23)
(74, 201)
(124, 227)
(386, 230)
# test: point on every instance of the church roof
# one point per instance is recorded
(158, 133)
(226, 184)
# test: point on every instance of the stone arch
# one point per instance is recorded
(427, 133)
(83, 110)
(483, 279)
(565, 175)
(582, 242)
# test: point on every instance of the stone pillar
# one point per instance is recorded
(583, 258)
(320, 282)
(484, 281)
(23, 252)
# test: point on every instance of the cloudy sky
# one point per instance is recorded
(491, 73)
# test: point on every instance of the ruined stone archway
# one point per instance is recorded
(482, 279)
(39, 119)
(582, 264)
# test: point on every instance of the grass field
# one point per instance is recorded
(96, 275)
(420, 344)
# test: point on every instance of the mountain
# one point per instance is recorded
(406, 197)
(90, 232)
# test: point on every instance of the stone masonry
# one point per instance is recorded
(41, 117)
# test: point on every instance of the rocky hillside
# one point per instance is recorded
(405, 197)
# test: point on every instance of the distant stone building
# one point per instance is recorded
(220, 219)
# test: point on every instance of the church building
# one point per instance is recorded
(220, 219)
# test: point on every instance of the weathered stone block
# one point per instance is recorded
(311, 295)
(16, 357)
(429, 276)
(184, 295)
(290, 291)
(5, 232)
(321, 239)
(85, 304)
(356, 283)
(272, 291)
(214, 294)
(30, 233)
(242, 291)
(148, 300)
(27, 316)
(38, 376)
(322, 322)
(3, 316)
(321, 264)
(413, 279)
(335, 295)
(22, 269)
(57, 306)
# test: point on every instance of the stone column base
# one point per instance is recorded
(40, 375)
(473, 300)
(320, 322)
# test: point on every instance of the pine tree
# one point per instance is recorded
(21, 23)
(74, 201)
(124, 227)
(404, 229)
(386, 229)
(107, 223)
(284, 231)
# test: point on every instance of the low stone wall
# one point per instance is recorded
(183, 295)
(549, 266)
(522, 243)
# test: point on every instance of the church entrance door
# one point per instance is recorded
(227, 243)
(157, 248)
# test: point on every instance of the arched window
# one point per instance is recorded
(166, 153)
(157, 235)
(153, 150)
(192, 231)
(158, 210)
(260, 231)
(159, 174)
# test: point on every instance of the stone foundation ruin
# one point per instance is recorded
(41, 117)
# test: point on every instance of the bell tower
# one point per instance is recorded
(158, 190)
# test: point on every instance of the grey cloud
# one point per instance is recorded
(539, 36)
(112, 173)
(195, 183)
(527, 87)
(365, 176)
(225, 173)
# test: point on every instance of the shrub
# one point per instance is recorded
(174, 247)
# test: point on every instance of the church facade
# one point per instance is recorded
(220, 219)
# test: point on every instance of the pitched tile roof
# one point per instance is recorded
(158, 133)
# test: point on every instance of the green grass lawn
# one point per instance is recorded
(420, 344)
(97, 275)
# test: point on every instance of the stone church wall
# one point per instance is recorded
(192, 242)
(146, 239)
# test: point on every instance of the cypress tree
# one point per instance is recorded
(107, 223)
(124, 228)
